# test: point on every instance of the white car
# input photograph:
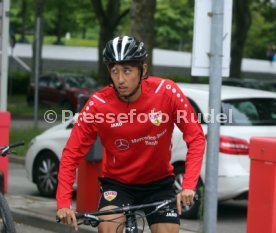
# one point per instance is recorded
(249, 113)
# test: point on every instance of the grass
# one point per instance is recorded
(69, 42)
(26, 135)
(18, 107)
(81, 42)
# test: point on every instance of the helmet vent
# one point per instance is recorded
(124, 49)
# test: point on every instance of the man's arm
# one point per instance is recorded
(82, 137)
(186, 120)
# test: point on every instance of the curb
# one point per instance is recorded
(38, 221)
(16, 159)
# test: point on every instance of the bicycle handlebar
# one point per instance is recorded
(6, 149)
(93, 219)
(90, 218)
(127, 208)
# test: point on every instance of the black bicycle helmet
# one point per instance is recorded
(124, 49)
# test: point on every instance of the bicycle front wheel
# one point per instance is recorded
(6, 220)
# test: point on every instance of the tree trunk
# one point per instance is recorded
(106, 34)
(109, 19)
(39, 5)
(142, 24)
(59, 24)
(23, 21)
(242, 23)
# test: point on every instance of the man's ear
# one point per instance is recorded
(145, 69)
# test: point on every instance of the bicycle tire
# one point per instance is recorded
(6, 220)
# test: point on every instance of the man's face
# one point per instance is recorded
(125, 78)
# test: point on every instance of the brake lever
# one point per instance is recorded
(58, 220)
(5, 151)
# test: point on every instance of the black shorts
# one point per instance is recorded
(118, 194)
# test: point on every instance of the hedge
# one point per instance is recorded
(18, 82)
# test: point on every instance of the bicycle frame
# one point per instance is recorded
(131, 223)
(6, 220)
(90, 218)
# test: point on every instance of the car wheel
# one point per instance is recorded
(194, 211)
(46, 174)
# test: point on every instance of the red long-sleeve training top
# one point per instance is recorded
(136, 136)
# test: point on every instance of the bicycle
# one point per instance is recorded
(128, 211)
(6, 220)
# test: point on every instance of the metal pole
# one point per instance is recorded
(210, 200)
(36, 70)
(4, 40)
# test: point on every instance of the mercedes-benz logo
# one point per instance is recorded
(121, 144)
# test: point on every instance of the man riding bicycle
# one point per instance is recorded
(134, 118)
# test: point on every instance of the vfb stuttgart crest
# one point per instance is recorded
(110, 195)
(155, 117)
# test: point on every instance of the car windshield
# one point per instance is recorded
(80, 82)
(268, 86)
(253, 111)
(251, 83)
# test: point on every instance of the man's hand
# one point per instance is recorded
(184, 198)
(67, 216)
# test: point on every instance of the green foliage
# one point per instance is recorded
(18, 82)
(87, 27)
(60, 17)
(256, 43)
(22, 17)
(174, 24)
(124, 27)
(64, 16)
(262, 31)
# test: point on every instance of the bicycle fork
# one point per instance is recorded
(131, 224)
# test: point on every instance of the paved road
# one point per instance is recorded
(231, 214)
(22, 228)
